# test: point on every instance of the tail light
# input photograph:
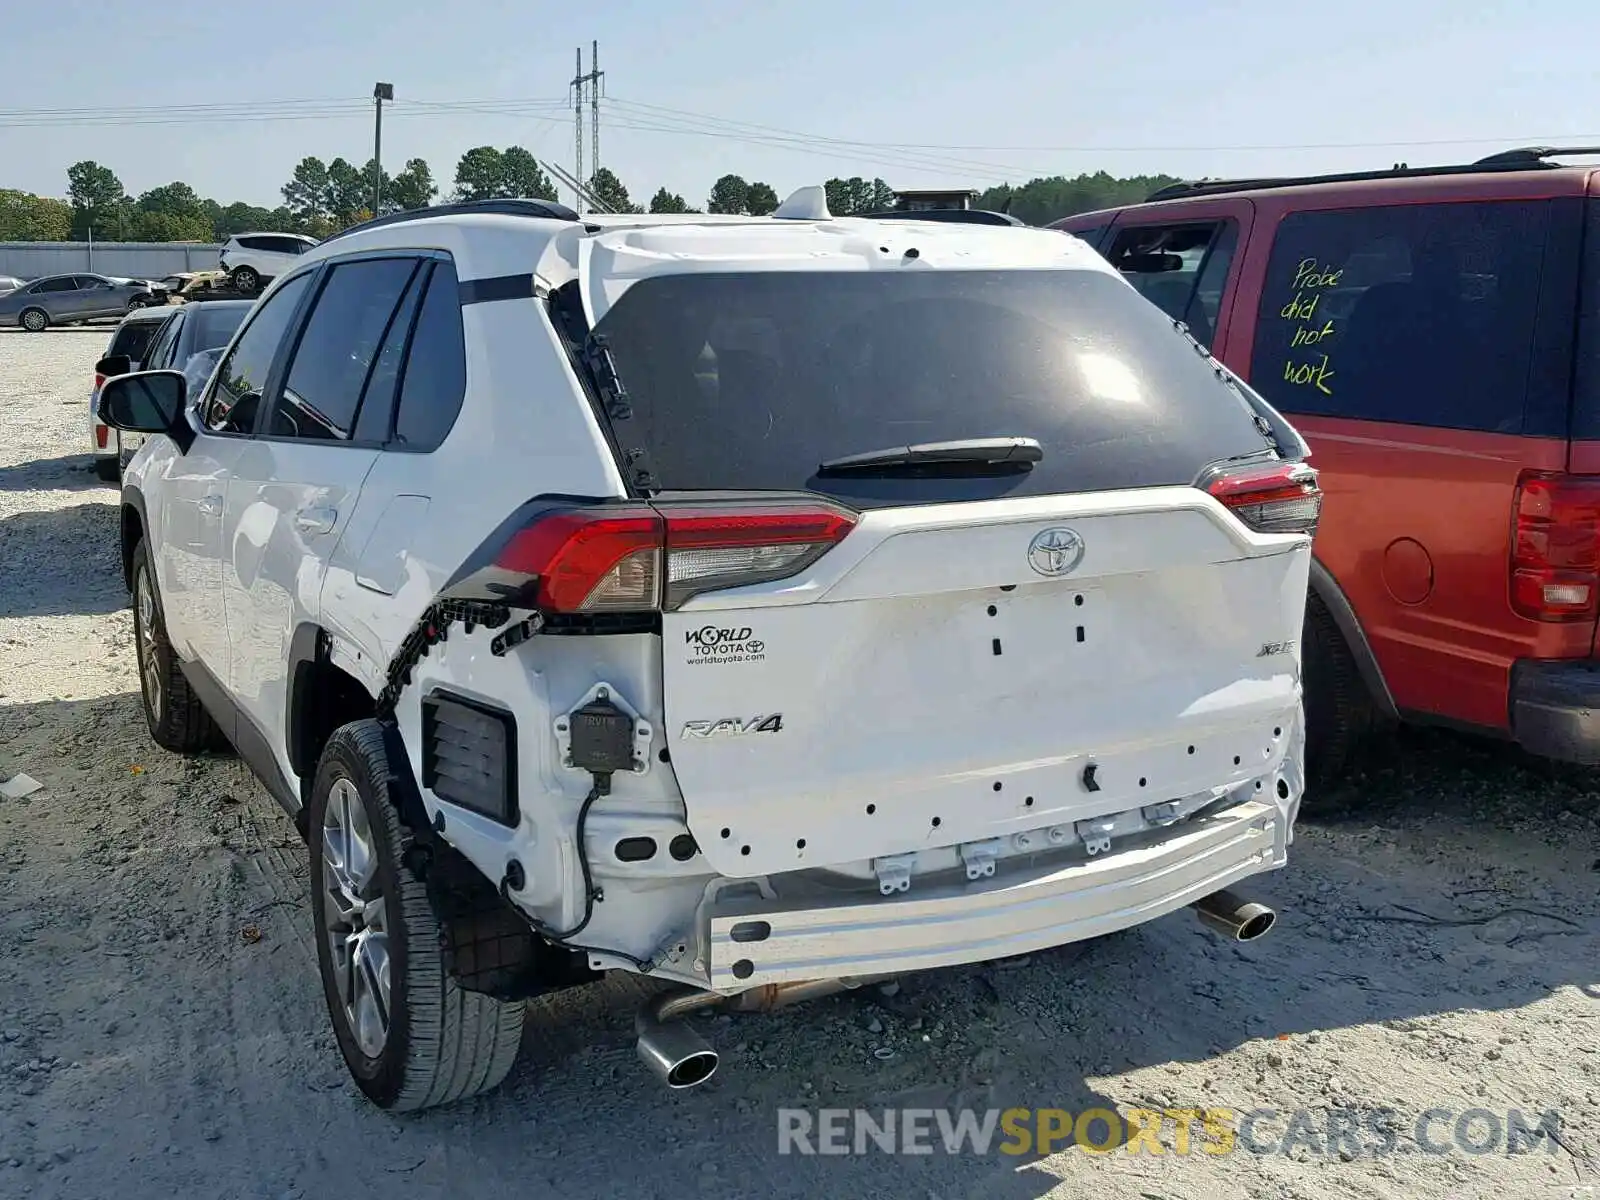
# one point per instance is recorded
(1278, 498)
(102, 436)
(1555, 547)
(637, 559)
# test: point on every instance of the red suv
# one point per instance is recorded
(1435, 334)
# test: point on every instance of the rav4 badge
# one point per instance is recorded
(733, 726)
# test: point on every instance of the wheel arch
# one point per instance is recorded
(132, 530)
(1326, 589)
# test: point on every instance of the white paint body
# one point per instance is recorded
(938, 702)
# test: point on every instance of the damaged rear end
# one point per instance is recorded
(968, 602)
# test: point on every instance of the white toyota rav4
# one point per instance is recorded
(764, 605)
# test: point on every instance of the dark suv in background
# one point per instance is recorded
(1433, 333)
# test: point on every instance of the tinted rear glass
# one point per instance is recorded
(134, 338)
(212, 327)
(750, 381)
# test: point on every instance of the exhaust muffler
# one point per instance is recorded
(1234, 917)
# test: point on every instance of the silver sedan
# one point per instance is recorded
(67, 299)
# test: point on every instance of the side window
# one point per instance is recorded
(338, 350)
(159, 354)
(1418, 314)
(61, 283)
(1167, 264)
(240, 379)
(375, 421)
(435, 381)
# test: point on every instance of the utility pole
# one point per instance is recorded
(592, 82)
(380, 93)
(577, 116)
(595, 76)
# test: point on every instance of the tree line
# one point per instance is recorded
(321, 198)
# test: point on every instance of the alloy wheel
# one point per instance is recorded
(355, 917)
(144, 614)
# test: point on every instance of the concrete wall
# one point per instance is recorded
(139, 260)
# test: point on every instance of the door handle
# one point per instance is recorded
(316, 519)
(211, 505)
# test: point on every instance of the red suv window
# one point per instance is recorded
(1421, 314)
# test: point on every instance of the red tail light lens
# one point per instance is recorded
(1555, 547)
(638, 559)
(102, 436)
(1279, 498)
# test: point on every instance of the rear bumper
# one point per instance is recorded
(1555, 708)
(1012, 913)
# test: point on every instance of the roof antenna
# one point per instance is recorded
(804, 204)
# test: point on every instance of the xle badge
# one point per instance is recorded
(733, 726)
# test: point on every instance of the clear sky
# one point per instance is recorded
(921, 92)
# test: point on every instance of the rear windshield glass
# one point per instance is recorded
(749, 381)
(213, 327)
(133, 339)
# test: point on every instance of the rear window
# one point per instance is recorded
(211, 327)
(1420, 314)
(748, 381)
(133, 339)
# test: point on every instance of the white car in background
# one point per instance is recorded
(131, 340)
(10, 283)
(252, 259)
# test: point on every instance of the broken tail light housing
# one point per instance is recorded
(614, 559)
(1277, 498)
(1555, 547)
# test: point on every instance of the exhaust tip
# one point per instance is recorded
(1235, 917)
(692, 1071)
(1258, 925)
(675, 1054)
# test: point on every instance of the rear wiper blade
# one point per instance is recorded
(995, 451)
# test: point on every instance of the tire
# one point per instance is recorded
(245, 280)
(439, 1043)
(34, 320)
(177, 720)
(1340, 715)
(108, 470)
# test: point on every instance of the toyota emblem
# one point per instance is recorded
(1055, 551)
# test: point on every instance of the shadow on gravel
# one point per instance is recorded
(70, 472)
(61, 560)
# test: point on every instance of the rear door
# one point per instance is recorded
(291, 496)
(1425, 351)
(988, 645)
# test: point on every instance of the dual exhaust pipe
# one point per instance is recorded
(682, 1059)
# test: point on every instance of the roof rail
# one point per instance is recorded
(1526, 158)
(1532, 155)
(961, 216)
(546, 209)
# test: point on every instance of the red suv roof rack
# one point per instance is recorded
(1523, 158)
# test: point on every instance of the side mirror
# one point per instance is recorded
(114, 364)
(146, 402)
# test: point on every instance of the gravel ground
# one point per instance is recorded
(162, 1031)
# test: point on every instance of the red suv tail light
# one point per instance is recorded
(1278, 498)
(1555, 547)
(637, 559)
